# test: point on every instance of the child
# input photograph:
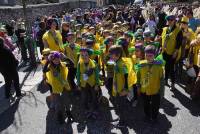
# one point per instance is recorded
(90, 44)
(88, 81)
(123, 42)
(124, 79)
(71, 53)
(107, 66)
(56, 77)
(150, 76)
(45, 54)
(139, 55)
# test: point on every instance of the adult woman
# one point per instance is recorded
(56, 73)
(40, 34)
(52, 39)
(65, 31)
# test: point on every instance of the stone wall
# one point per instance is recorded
(33, 11)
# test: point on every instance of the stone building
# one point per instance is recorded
(102, 2)
(7, 2)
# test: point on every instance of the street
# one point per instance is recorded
(30, 115)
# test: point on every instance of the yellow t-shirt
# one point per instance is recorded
(55, 44)
(169, 42)
(122, 67)
(72, 54)
(108, 68)
(131, 44)
(149, 77)
(191, 36)
(96, 47)
(101, 40)
(58, 78)
(84, 77)
(196, 50)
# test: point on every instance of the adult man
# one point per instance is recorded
(20, 33)
(8, 68)
(171, 42)
(188, 36)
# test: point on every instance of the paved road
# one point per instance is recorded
(178, 115)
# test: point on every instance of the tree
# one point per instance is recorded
(24, 4)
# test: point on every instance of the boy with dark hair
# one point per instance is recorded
(150, 76)
(123, 81)
(88, 82)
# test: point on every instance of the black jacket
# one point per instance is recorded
(7, 61)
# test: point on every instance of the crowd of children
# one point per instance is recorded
(130, 62)
(118, 48)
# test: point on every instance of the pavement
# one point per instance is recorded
(27, 82)
(178, 114)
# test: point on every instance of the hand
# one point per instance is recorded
(96, 88)
(193, 43)
(197, 80)
(188, 34)
(79, 88)
(175, 54)
(158, 38)
(62, 55)
(190, 66)
(123, 93)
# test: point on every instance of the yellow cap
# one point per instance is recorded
(185, 19)
(46, 51)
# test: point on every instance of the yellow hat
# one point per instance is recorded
(185, 19)
(46, 51)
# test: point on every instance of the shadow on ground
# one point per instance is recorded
(10, 114)
(193, 107)
(106, 125)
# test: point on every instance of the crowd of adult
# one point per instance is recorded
(132, 50)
